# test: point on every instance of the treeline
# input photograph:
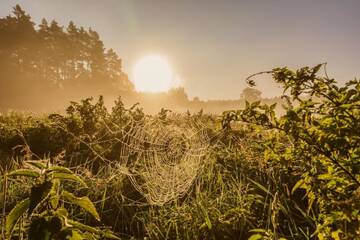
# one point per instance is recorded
(178, 101)
(45, 66)
(48, 62)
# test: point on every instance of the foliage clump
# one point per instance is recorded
(323, 145)
(44, 215)
(264, 176)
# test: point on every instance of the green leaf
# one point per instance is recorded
(103, 200)
(76, 236)
(25, 173)
(110, 235)
(83, 202)
(255, 237)
(54, 197)
(15, 214)
(297, 185)
(60, 169)
(36, 163)
(67, 176)
(258, 230)
(83, 227)
(208, 221)
(261, 187)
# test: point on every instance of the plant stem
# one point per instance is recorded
(4, 204)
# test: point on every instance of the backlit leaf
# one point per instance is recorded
(83, 202)
(70, 177)
(14, 215)
(25, 173)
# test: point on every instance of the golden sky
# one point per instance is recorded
(214, 45)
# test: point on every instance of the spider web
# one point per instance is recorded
(163, 157)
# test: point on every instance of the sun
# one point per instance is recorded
(152, 73)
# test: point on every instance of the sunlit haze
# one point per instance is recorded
(215, 45)
(152, 74)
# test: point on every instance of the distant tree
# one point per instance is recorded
(54, 60)
(178, 95)
(250, 94)
(196, 99)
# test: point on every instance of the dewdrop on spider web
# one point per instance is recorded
(163, 158)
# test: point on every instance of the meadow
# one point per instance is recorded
(97, 173)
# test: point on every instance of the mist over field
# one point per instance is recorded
(179, 120)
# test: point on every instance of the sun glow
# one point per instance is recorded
(153, 74)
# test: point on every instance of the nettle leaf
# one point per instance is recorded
(38, 193)
(258, 230)
(83, 227)
(54, 197)
(60, 169)
(256, 236)
(25, 173)
(36, 163)
(14, 215)
(110, 235)
(83, 202)
(68, 176)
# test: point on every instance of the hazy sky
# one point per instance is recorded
(214, 45)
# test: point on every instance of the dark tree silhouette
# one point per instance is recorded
(42, 64)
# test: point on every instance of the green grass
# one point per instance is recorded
(199, 176)
(234, 192)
